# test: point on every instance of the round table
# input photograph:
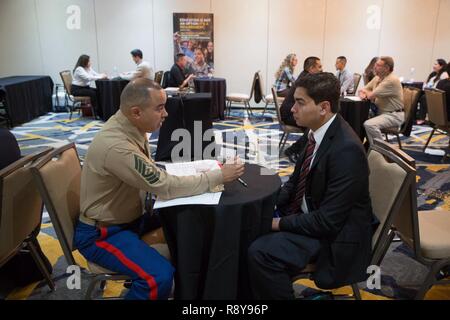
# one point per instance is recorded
(209, 244)
(355, 113)
(108, 94)
(218, 88)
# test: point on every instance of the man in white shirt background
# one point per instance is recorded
(143, 69)
(345, 77)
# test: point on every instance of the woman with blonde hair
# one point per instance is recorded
(285, 75)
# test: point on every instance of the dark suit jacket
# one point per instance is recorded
(176, 77)
(340, 211)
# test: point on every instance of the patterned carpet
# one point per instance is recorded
(401, 274)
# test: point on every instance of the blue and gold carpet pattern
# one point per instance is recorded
(401, 274)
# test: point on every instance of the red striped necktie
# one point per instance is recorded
(296, 203)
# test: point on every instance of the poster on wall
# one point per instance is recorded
(194, 31)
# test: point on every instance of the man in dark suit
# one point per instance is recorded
(178, 77)
(311, 65)
(325, 209)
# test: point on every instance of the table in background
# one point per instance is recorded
(355, 113)
(26, 97)
(183, 110)
(108, 94)
(209, 244)
(218, 88)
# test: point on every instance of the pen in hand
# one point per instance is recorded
(243, 182)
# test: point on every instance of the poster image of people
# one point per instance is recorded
(194, 36)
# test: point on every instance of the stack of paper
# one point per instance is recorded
(188, 169)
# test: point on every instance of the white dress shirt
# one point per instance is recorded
(319, 134)
(83, 77)
(346, 80)
(143, 70)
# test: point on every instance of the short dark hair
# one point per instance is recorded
(136, 93)
(309, 63)
(342, 58)
(388, 61)
(322, 87)
(137, 53)
(178, 56)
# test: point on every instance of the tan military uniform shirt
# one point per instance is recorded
(118, 171)
(389, 93)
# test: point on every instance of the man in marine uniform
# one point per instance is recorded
(118, 175)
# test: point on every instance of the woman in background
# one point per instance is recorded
(439, 73)
(83, 75)
(368, 72)
(444, 84)
(285, 75)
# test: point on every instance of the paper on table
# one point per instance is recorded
(355, 98)
(188, 169)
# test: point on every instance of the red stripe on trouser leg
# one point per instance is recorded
(132, 266)
(103, 233)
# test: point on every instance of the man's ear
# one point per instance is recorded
(325, 107)
(135, 112)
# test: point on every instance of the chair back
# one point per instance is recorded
(260, 85)
(437, 110)
(277, 107)
(410, 99)
(356, 81)
(66, 77)
(158, 77)
(58, 177)
(20, 204)
(253, 87)
(165, 79)
(389, 182)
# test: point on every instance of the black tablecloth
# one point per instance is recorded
(26, 97)
(209, 244)
(183, 111)
(355, 113)
(218, 88)
(108, 93)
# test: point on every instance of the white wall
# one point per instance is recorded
(250, 35)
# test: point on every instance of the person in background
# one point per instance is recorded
(178, 76)
(143, 68)
(438, 73)
(444, 85)
(199, 67)
(285, 75)
(386, 94)
(368, 72)
(83, 75)
(344, 76)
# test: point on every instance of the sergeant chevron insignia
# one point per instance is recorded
(147, 172)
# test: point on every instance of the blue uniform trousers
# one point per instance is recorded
(119, 248)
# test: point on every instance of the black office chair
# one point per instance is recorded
(165, 80)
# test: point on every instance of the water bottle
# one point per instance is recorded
(115, 73)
